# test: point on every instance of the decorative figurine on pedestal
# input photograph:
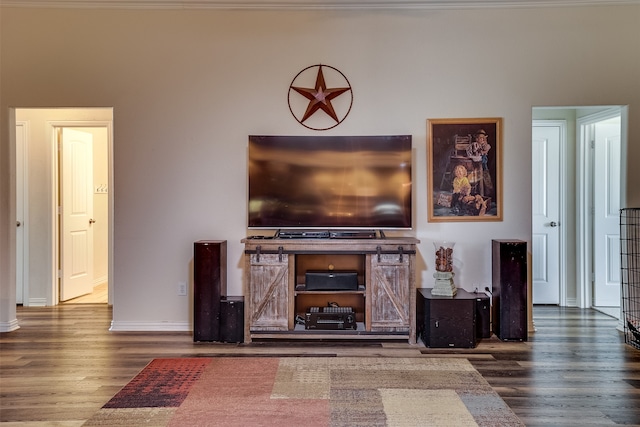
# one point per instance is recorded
(444, 270)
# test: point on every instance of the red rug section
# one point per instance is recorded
(162, 383)
(239, 394)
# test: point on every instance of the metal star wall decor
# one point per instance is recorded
(305, 101)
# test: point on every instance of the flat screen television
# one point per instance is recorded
(343, 182)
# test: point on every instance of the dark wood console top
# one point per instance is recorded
(342, 245)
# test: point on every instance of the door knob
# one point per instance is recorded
(91, 221)
(553, 224)
(18, 223)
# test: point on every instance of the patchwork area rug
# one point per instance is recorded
(306, 391)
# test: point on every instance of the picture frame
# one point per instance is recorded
(472, 149)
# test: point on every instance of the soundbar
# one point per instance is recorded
(330, 318)
(331, 280)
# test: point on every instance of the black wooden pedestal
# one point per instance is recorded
(444, 322)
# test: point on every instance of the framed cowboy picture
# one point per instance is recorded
(464, 169)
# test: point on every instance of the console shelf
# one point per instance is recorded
(275, 291)
(301, 289)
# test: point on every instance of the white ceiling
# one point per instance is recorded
(306, 4)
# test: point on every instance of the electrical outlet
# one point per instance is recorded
(182, 288)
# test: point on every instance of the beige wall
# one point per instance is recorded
(188, 86)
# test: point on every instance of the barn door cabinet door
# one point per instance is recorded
(390, 294)
(269, 296)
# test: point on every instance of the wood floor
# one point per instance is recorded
(63, 364)
(100, 295)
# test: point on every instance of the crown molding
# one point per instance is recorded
(305, 4)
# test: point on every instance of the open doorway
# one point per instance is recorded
(68, 170)
(601, 190)
(583, 187)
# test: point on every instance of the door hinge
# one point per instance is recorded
(59, 274)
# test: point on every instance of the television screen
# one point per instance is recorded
(330, 182)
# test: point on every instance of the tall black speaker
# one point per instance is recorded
(509, 293)
(209, 285)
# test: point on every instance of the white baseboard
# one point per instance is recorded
(124, 326)
(100, 280)
(37, 302)
(9, 326)
(572, 302)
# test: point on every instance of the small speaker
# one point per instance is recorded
(232, 319)
(483, 316)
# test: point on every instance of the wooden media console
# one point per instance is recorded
(276, 295)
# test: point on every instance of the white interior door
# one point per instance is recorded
(546, 154)
(606, 224)
(76, 231)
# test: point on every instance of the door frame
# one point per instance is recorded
(584, 194)
(22, 191)
(53, 126)
(562, 209)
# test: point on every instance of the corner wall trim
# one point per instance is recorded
(9, 326)
(306, 4)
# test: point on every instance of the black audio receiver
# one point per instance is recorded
(330, 318)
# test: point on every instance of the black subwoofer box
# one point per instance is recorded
(459, 321)
(331, 280)
(446, 322)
